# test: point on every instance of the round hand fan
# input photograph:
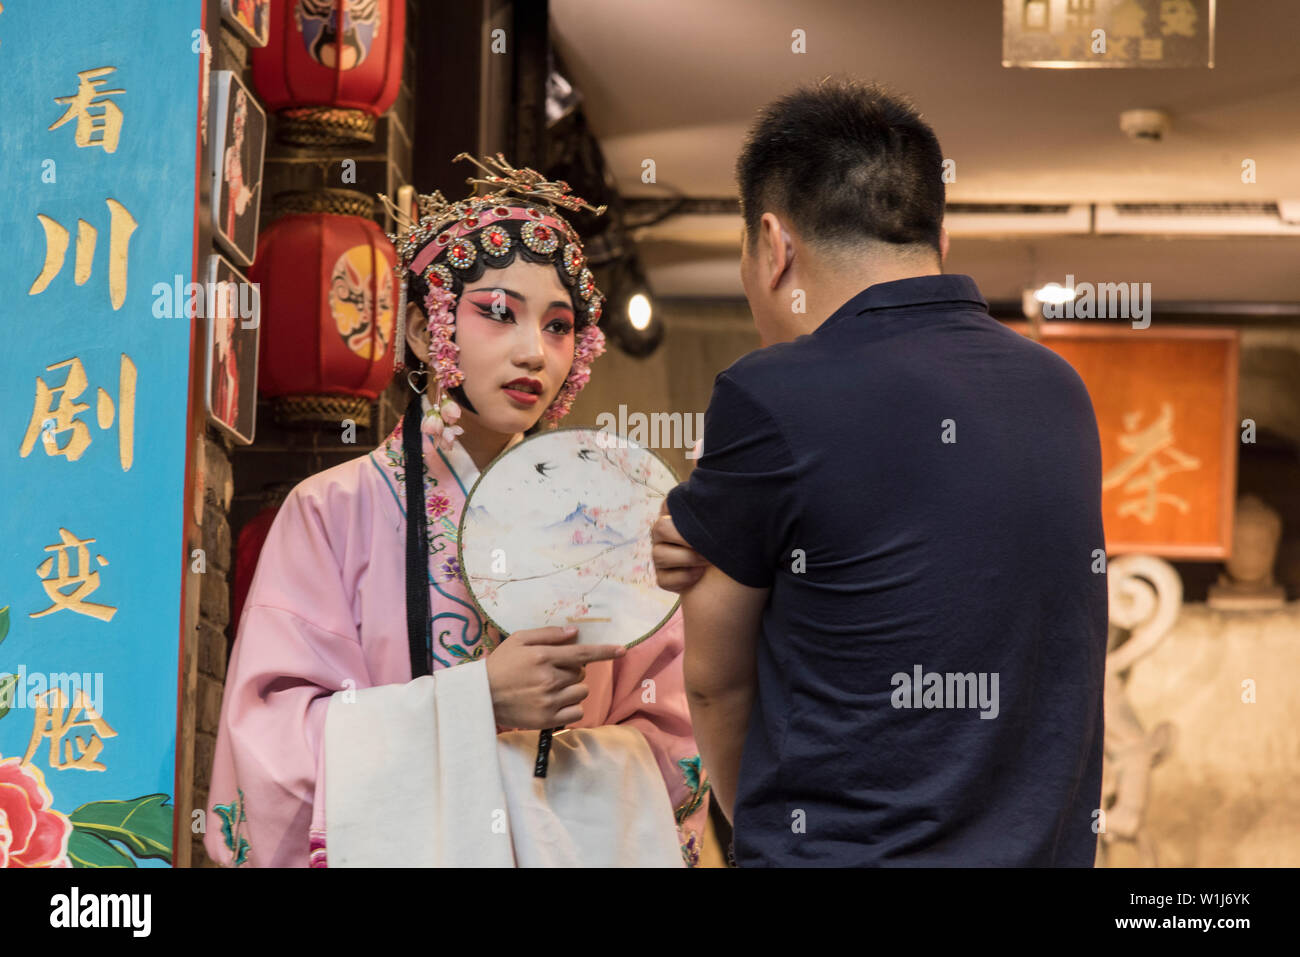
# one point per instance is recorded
(556, 531)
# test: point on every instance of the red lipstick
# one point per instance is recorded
(525, 391)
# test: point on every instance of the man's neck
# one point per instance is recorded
(831, 286)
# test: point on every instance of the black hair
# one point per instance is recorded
(846, 163)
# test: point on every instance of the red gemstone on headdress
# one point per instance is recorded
(495, 239)
(442, 240)
(501, 211)
(471, 222)
(541, 232)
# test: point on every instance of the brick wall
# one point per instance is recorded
(214, 613)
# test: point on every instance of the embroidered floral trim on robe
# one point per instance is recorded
(232, 817)
(317, 845)
(697, 789)
(442, 533)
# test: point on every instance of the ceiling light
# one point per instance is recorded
(638, 311)
(1054, 292)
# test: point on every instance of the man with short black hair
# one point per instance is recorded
(895, 617)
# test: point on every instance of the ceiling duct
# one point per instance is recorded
(1014, 219)
(701, 220)
(1199, 219)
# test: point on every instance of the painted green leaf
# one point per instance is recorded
(8, 681)
(144, 824)
(88, 849)
(7, 685)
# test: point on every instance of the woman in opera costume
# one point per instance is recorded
(361, 726)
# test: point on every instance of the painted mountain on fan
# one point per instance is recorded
(580, 528)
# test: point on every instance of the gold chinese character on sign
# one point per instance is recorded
(51, 419)
(1151, 48)
(1080, 15)
(99, 119)
(1151, 459)
(1178, 18)
(121, 225)
(55, 719)
(84, 582)
(1128, 20)
(1035, 15)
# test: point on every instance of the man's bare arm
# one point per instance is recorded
(722, 619)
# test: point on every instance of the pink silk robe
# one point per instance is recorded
(326, 612)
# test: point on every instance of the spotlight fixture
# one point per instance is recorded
(633, 322)
(1054, 292)
(639, 312)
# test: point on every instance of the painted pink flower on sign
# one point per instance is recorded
(32, 833)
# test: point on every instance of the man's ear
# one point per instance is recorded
(417, 332)
(943, 244)
(775, 248)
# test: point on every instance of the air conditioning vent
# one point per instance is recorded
(1195, 219)
(1196, 209)
(1006, 209)
(717, 220)
(1012, 219)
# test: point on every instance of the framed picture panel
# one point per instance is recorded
(239, 141)
(233, 309)
(1166, 405)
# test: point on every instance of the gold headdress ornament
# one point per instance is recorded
(434, 211)
(527, 183)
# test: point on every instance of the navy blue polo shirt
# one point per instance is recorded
(920, 489)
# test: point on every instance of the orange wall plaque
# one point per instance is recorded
(1166, 406)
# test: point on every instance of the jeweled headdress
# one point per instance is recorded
(451, 243)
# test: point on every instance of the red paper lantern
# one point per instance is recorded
(328, 84)
(329, 308)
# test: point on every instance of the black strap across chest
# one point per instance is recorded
(417, 546)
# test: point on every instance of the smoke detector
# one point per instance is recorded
(1147, 126)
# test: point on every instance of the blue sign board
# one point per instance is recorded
(99, 110)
